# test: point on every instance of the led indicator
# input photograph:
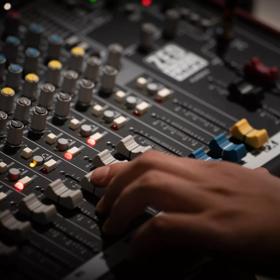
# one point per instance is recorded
(91, 142)
(146, 3)
(33, 164)
(68, 156)
(19, 186)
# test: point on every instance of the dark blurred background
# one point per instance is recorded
(265, 10)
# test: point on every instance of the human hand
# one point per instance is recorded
(213, 206)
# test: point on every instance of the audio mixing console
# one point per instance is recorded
(90, 83)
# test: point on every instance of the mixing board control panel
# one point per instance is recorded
(90, 83)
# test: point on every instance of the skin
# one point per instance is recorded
(216, 207)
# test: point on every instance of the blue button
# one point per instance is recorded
(221, 147)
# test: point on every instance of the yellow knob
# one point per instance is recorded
(55, 65)
(78, 51)
(32, 78)
(7, 91)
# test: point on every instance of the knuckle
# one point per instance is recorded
(146, 186)
(149, 180)
(147, 159)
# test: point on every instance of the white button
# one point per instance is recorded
(141, 82)
(119, 122)
(51, 138)
(50, 165)
(3, 167)
(26, 153)
(96, 136)
(120, 96)
(163, 94)
(25, 180)
(74, 124)
(74, 151)
(97, 110)
(142, 107)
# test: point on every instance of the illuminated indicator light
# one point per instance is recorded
(91, 142)
(136, 113)
(115, 127)
(68, 156)
(146, 3)
(33, 164)
(19, 186)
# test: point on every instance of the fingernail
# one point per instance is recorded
(99, 175)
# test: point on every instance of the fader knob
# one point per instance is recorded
(31, 62)
(172, 19)
(3, 62)
(108, 79)
(147, 37)
(7, 96)
(13, 228)
(14, 76)
(62, 105)
(93, 69)
(86, 88)
(115, 52)
(34, 35)
(38, 119)
(23, 105)
(15, 133)
(55, 43)
(3, 122)
(11, 48)
(30, 86)
(54, 72)
(76, 59)
(46, 95)
(70, 78)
